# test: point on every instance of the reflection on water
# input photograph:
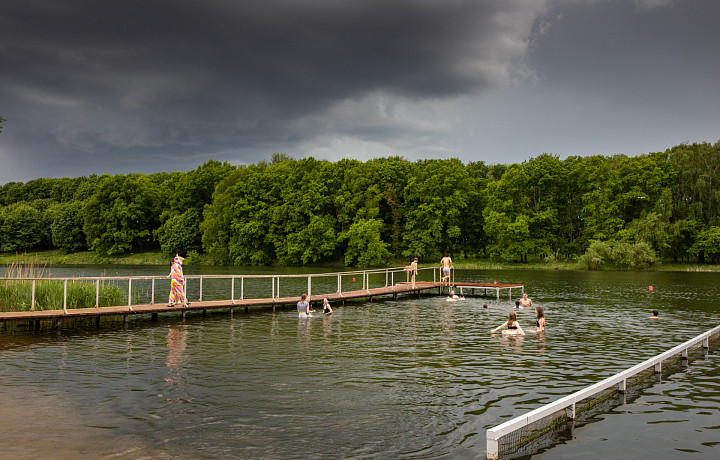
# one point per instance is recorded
(413, 378)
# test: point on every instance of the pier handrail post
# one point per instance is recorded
(152, 291)
(242, 287)
(97, 293)
(309, 285)
(65, 296)
(32, 300)
(339, 283)
(278, 288)
(232, 289)
(434, 279)
(386, 277)
(273, 287)
(392, 278)
(201, 278)
(129, 292)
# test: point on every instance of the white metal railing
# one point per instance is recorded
(494, 434)
(275, 280)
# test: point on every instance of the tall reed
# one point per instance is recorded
(16, 295)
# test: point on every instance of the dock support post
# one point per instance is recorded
(493, 449)
(622, 386)
(37, 326)
(498, 292)
(154, 317)
(570, 412)
(204, 312)
(58, 323)
(706, 342)
(684, 354)
(97, 321)
(182, 315)
(232, 310)
(125, 319)
(658, 367)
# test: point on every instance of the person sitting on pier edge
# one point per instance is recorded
(526, 301)
(454, 297)
(540, 321)
(327, 309)
(512, 325)
(303, 307)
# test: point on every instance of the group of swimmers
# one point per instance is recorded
(512, 324)
(303, 307)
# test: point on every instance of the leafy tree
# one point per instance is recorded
(365, 247)
(180, 234)
(67, 227)
(707, 243)
(21, 228)
(121, 214)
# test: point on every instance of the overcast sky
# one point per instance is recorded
(110, 86)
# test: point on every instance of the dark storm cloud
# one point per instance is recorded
(84, 80)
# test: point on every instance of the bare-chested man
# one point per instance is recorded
(526, 301)
(446, 264)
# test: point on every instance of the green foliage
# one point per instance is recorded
(708, 244)
(307, 211)
(67, 227)
(21, 228)
(121, 215)
(180, 234)
(621, 255)
(364, 246)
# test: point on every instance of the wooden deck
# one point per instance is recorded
(488, 286)
(154, 309)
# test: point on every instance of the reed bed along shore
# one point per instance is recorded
(17, 295)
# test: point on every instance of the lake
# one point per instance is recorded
(412, 378)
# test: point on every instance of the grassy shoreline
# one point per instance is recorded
(58, 257)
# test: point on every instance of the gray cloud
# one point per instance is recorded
(99, 87)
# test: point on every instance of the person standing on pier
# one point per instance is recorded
(413, 271)
(177, 283)
(446, 264)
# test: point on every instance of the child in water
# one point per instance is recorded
(517, 305)
(327, 309)
(512, 324)
(454, 297)
(540, 321)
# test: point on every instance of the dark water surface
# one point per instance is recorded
(414, 378)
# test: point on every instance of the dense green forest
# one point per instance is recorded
(619, 210)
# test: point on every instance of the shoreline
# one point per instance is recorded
(57, 257)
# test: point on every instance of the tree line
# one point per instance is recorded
(602, 209)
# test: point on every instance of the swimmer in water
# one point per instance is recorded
(525, 301)
(327, 309)
(512, 324)
(517, 305)
(654, 314)
(454, 297)
(303, 307)
(540, 321)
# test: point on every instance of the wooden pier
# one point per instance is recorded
(372, 283)
(492, 287)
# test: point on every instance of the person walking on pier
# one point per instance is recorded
(177, 283)
(446, 264)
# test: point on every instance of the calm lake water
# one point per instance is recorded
(412, 378)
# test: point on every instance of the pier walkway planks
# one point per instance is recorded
(154, 309)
